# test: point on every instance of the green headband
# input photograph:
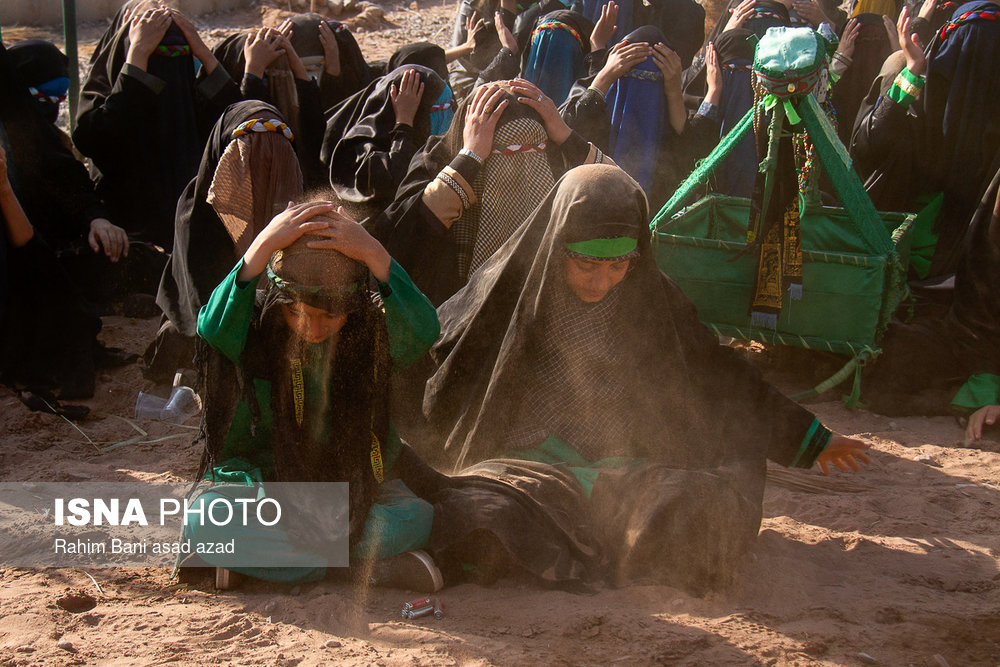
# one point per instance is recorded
(604, 248)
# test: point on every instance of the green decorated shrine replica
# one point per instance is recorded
(780, 267)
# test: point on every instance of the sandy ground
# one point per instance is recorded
(897, 565)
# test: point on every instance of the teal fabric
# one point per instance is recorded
(398, 522)
(978, 391)
(557, 452)
(789, 52)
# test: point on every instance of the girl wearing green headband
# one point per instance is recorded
(570, 353)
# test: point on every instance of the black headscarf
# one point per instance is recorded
(143, 162)
(962, 125)
(421, 53)
(204, 252)
(682, 23)
(670, 367)
(737, 174)
(362, 125)
(40, 63)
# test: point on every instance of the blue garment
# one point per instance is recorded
(637, 108)
(736, 176)
(442, 112)
(555, 60)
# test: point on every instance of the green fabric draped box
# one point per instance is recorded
(849, 293)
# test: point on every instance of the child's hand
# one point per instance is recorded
(283, 230)
(984, 416)
(845, 453)
(349, 238)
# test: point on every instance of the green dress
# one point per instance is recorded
(398, 521)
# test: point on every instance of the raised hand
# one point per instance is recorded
(406, 97)
(915, 60)
(285, 42)
(605, 27)
(849, 39)
(331, 50)
(810, 11)
(503, 32)
(669, 64)
(713, 75)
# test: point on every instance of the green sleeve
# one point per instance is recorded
(225, 320)
(816, 439)
(978, 391)
(410, 318)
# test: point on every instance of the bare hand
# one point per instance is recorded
(111, 237)
(503, 32)
(849, 39)
(915, 61)
(713, 75)
(481, 117)
(283, 230)
(144, 34)
(984, 416)
(473, 24)
(294, 62)
(263, 46)
(406, 97)
(605, 27)
(531, 95)
(349, 238)
(845, 453)
(741, 14)
(622, 57)
(198, 47)
(331, 50)
(927, 9)
(670, 66)
(810, 11)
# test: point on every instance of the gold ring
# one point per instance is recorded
(488, 110)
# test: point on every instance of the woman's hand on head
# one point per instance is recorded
(741, 14)
(198, 47)
(283, 230)
(331, 50)
(406, 97)
(622, 57)
(144, 34)
(531, 95)
(810, 11)
(349, 238)
(481, 117)
(849, 39)
(670, 67)
(294, 62)
(263, 46)
(605, 27)
(845, 453)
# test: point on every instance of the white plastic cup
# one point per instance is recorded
(149, 406)
(184, 402)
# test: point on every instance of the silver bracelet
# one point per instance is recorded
(466, 151)
(598, 91)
